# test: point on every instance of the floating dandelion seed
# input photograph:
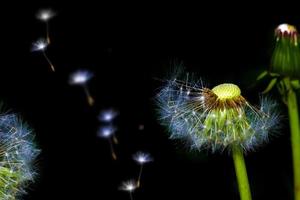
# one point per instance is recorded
(217, 119)
(17, 155)
(41, 45)
(141, 127)
(141, 159)
(107, 132)
(108, 116)
(128, 186)
(81, 77)
(45, 15)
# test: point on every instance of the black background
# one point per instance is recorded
(130, 48)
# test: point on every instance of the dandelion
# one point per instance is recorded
(81, 77)
(108, 116)
(128, 186)
(107, 132)
(141, 159)
(45, 15)
(217, 119)
(285, 73)
(17, 155)
(286, 55)
(41, 45)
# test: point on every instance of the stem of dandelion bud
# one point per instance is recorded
(295, 134)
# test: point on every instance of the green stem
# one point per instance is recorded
(295, 135)
(241, 173)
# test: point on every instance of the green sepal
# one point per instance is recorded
(272, 74)
(295, 84)
(270, 86)
(262, 75)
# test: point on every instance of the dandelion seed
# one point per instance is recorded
(107, 132)
(141, 158)
(41, 45)
(141, 127)
(45, 15)
(128, 186)
(81, 78)
(108, 116)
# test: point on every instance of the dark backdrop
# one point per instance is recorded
(129, 48)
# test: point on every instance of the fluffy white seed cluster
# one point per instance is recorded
(17, 155)
(216, 124)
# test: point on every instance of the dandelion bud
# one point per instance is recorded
(286, 55)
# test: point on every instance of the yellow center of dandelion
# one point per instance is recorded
(227, 91)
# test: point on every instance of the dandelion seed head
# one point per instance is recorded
(45, 14)
(108, 115)
(221, 120)
(17, 165)
(128, 186)
(80, 77)
(39, 45)
(142, 158)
